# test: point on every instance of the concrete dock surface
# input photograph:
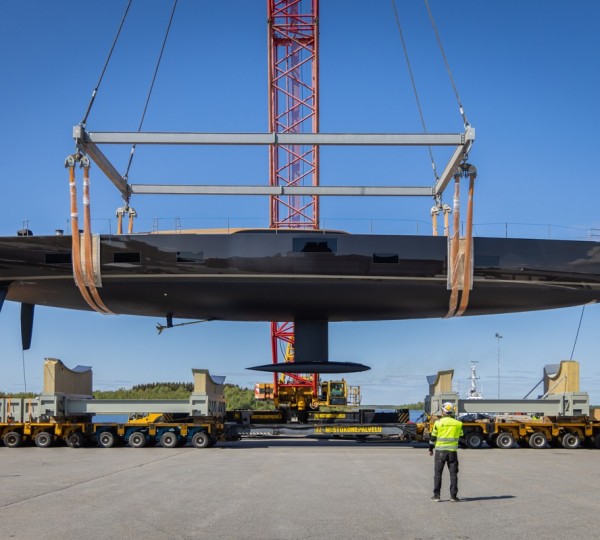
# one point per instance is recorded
(295, 489)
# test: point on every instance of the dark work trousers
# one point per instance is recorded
(441, 458)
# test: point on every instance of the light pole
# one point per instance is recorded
(498, 337)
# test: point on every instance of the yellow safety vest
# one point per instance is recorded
(447, 431)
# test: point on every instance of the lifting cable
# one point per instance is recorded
(437, 35)
(91, 296)
(89, 108)
(24, 375)
(414, 86)
(577, 334)
(126, 175)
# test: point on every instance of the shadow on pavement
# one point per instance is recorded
(490, 498)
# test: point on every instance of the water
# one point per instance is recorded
(117, 418)
(416, 416)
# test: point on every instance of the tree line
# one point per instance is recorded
(236, 397)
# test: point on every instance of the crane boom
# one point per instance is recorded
(293, 108)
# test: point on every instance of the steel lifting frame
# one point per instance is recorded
(89, 142)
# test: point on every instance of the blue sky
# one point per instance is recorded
(529, 79)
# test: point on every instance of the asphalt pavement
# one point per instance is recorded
(295, 489)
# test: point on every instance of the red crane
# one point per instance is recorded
(293, 108)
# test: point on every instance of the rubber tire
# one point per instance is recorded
(12, 439)
(538, 440)
(597, 440)
(107, 439)
(75, 439)
(137, 440)
(505, 440)
(201, 439)
(474, 440)
(43, 439)
(169, 439)
(491, 441)
(570, 441)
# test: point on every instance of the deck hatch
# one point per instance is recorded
(315, 245)
(58, 258)
(190, 256)
(128, 257)
(385, 258)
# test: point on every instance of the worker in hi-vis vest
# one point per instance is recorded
(444, 438)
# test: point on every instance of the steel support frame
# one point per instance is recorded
(89, 143)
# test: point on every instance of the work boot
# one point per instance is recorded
(454, 499)
(435, 498)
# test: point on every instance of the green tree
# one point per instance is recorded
(236, 397)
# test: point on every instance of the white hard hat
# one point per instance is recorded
(447, 408)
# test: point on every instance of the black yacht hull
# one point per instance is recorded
(274, 276)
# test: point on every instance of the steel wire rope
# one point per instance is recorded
(24, 375)
(162, 49)
(437, 36)
(89, 108)
(414, 85)
(577, 334)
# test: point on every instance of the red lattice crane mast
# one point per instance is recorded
(293, 108)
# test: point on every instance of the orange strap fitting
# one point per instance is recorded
(453, 263)
(468, 266)
(131, 214)
(87, 238)
(80, 279)
(447, 211)
(435, 210)
(462, 265)
(120, 212)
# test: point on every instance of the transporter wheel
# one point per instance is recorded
(538, 440)
(75, 439)
(474, 439)
(505, 440)
(12, 439)
(43, 439)
(201, 439)
(570, 441)
(168, 439)
(107, 439)
(137, 440)
(597, 440)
